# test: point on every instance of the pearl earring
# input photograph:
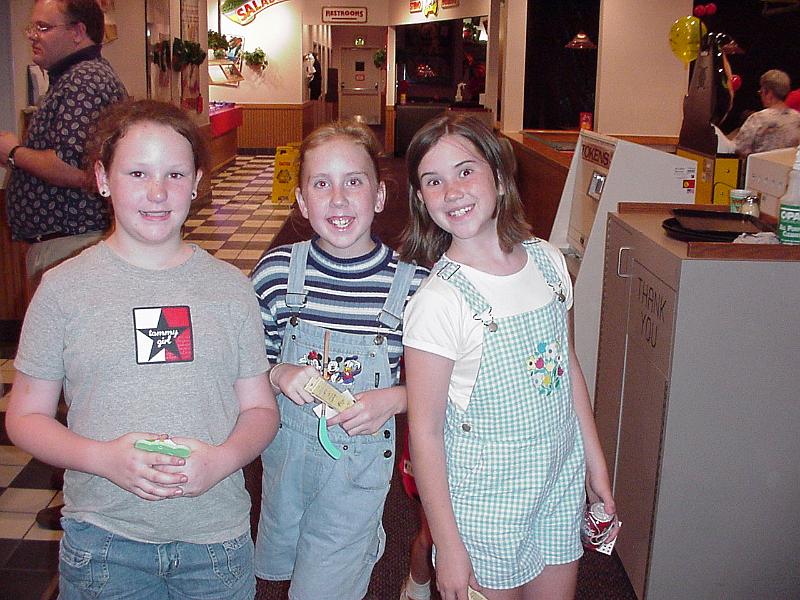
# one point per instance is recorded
(194, 195)
(105, 193)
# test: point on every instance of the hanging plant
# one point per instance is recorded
(185, 53)
(379, 59)
(257, 59)
(218, 43)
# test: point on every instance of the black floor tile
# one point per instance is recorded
(7, 548)
(34, 555)
(37, 475)
(16, 584)
(4, 439)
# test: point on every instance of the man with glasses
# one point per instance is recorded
(48, 202)
(777, 126)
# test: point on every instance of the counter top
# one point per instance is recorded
(648, 217)
(224, 120)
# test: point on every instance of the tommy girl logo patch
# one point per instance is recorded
(163, 335)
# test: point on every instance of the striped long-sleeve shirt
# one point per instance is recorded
(343, 294)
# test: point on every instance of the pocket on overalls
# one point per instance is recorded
(368, 467)
(464, 460)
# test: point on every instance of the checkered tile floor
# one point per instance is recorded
(237, 227)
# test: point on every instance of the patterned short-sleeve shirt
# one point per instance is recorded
(768, 129)
(80, 88)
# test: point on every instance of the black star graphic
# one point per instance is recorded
(164, 336)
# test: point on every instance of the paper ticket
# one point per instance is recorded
(325, 392)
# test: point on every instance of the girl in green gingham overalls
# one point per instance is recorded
(503, 441)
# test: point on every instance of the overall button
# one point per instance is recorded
(388, 454)
(293, 321)
(466, 427)
(378, 339)
(387, 434)
(344, 447)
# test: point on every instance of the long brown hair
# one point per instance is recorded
(423, 240)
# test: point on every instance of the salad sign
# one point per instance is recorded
(243, 12)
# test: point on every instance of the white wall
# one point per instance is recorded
(278, 30)
(640, 84)
(128, 54)
(513, 92)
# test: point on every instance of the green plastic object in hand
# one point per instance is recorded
(166, 446)
(324, 440)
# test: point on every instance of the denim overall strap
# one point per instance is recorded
(391, 314)
(295, 287)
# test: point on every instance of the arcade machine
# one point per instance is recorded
(605, 171)
(707, 103)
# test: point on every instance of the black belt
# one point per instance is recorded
(45, 237)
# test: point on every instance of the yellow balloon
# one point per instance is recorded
(684, 38)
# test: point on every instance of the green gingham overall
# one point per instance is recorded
(515, 462)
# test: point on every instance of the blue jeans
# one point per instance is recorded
(95, 563)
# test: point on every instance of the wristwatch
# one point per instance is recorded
(10, 160)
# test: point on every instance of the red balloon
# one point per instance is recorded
(711, 9)
(736, 82)
(699, 11)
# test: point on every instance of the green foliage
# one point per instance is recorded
(379, 58)
(230, 5)
(257, 58)
(185, 53)
(217, 41)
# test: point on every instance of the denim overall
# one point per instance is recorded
(515, 462)
(320, 520)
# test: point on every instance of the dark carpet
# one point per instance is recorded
(600, 577)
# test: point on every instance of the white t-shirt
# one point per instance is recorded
(439, 320)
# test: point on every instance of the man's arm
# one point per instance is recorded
(43, 164)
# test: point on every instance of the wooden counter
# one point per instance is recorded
(543, 161)
(223, 140)
(12, 291)
(541, 175)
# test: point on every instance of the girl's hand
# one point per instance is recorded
(598, 489)
(140, 472)
(454, 573)
(201, 468)
(370, 412)
(290, 379)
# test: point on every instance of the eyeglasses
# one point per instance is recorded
(37, 29)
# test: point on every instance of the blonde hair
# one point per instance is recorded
(352, 130)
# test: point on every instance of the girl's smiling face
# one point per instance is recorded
(152, 178)
(458, 189)
(339, 195)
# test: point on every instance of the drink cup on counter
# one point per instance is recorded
(751, 205)
(745, 201)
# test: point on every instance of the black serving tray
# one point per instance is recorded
(711, 226)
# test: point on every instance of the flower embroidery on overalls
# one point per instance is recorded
(546, 367)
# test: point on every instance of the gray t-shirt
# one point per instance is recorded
(152, 351)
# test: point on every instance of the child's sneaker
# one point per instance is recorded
(415, 591)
